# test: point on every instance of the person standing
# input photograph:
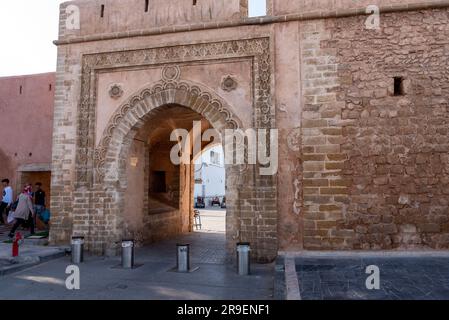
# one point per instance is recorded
(39, 200)
(6, 199)
(24, 211)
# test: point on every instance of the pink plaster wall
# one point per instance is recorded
(132, 16)
(26, 122)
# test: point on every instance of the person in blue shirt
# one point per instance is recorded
(7, 199)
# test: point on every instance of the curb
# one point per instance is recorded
(366, 254)
(37, 261)
(279, 279)
(291, 280)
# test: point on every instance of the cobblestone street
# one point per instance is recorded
(401, 278)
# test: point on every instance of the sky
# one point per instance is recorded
(28, 29)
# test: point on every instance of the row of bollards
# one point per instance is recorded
(182, 255)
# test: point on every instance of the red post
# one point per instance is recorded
(15, 244)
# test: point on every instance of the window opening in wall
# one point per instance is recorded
(257, 8)
(21, 90)
(147, 5)
(398, 86)
(102, 11)
(49, 87)
(194, 2)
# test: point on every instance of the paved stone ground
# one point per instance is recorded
(205, 248)
(213, 220)
(100, 280)
(403, 278)
(4, 230)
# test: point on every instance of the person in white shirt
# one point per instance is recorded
(7, 199)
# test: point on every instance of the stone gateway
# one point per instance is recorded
(362, 116)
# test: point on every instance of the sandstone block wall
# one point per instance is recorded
(376, 164)
(397, 147)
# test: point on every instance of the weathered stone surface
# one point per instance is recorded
(396, 144)
(359, 168)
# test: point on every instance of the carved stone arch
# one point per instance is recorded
(92, 208)
(148, 101)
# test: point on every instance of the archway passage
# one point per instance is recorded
(158, 196)
(103, 201)
(210, 190)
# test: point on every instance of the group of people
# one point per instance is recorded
(24, 210)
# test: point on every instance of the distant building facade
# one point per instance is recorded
(26, 129)
(210, 175)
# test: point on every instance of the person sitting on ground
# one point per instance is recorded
(22, 212)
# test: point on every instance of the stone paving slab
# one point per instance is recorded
(401, 278)
(291, 280)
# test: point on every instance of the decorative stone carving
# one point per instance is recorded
(258, 48)
(229, 83)
(138, 105)
(171, 73)
(116, 91)
(110, 157)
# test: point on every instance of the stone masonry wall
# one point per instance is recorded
(397, 146)
(376, 165)
(324, 187)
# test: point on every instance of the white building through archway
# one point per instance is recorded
(210, 176)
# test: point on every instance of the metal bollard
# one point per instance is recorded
(128, 254)
(243, 258)
(183, 257)
(77, 250)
